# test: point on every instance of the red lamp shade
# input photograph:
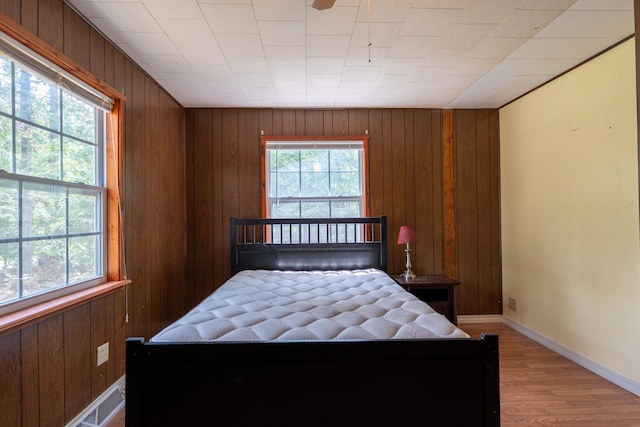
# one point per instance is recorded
(407, 235)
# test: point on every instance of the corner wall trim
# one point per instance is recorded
(606, 373)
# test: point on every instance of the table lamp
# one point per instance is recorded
(407, 235)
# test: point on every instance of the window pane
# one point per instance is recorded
(43, 210)
(6, 144)
(37, 152)
(345, 183)
(285, 160)
(8, 272)
(345, 160)
(288, 185)
(315, 210)
(5, 84)
(8, 210)
(36, 100)
(340, 209)
(79, 162)
(315, 184)
(78, 118)
(45, 268)
(285, 210)
(82, 258)
(314, 160)
(83, 208)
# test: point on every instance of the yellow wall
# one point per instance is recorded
(570, 216)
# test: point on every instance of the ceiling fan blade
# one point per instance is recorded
(323, 4)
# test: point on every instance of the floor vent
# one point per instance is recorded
(100, 412)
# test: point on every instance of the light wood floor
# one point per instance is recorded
(538, 387)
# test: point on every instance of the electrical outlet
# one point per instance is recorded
(512, 304)
(103, 353)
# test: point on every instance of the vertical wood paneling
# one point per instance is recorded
(218, 203)
(98, 338)
(496, 252)
(11, 8)
(29, 15)
(50, 17)
(10, 378)
(249, 164)
(51, 371)
(435, 136)
(425, 193)
(97, 54)
(376, 164)
(77, 360)
(203, 208)
(30, 375)
(314, 123)
(230, 179)
(77, 36)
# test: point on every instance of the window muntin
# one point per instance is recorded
(52, 187)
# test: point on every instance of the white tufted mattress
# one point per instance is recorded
(265, 305)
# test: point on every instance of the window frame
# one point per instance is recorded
(16, 313)
(309, 140)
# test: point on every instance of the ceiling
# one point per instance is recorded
(360, 53)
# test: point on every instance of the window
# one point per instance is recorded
(52, 181)
(315, 179)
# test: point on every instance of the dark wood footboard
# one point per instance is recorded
(440, 382)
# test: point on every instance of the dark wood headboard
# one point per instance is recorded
(308, 243)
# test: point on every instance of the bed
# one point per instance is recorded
(311, 331)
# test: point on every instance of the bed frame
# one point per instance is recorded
(452, 382)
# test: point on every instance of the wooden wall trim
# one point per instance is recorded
(449, 184)
(27, 316)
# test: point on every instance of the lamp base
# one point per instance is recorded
(409, 275)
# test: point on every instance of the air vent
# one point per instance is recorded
(100, 412)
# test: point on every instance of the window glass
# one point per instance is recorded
(52, 194)
(315, 179)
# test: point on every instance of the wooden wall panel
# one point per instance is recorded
(49, 367)
(477, 211)
(405, 177)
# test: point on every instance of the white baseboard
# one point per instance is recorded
(480, 318)
(606, 373)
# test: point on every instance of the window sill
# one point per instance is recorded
(21, 318)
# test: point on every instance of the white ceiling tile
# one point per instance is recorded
(487, 11)
(496, 47)
(223, 86)
(327, 45)
(325, 65)
(360, 73)
(334, 21)
(413, 47)
(188, 31)
(384, 11)
(250, 80)
(429, 22)
(556, 48)
(130, 17)
(285, 55)
(399, 66)
(465, 35)
(230, 18)
(475, 67)
(367, 56)
(213, 72)
(276, 33)
(610, 5)
(288, 72)
(152, 43)
(240, 44)
(279, 10)
(524, 23)
(171, 9)
(584, 23)
(378, 34)
(560, 5)
(168, 63)
(323, 81)
(248, 64)
(202, 55)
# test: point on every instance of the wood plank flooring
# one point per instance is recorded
(538, 387)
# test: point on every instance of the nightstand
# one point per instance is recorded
(437, 290)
